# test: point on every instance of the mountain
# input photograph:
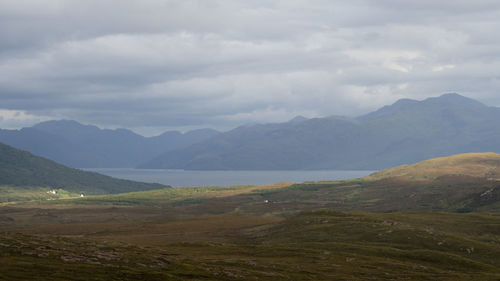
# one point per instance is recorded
(291, 145)
(23, 169)
(407, 131)
(76, 145)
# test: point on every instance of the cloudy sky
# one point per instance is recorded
(152, 65)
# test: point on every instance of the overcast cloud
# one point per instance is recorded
(152, 65)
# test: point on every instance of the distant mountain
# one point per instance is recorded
(297, 119)
(23, 169)
(405, 132)
(86, 146)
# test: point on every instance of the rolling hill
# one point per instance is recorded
(25, 171)
(435, 220)
(479, 165)
(406, 132)
(85, 146)
(459, 183)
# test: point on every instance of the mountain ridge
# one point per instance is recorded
(86, 146)
(405, 132)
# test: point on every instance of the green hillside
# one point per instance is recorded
(459, 183)
(184, 243)
(480, 165)
(21, 172)
(416, 225)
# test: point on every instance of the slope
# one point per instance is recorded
(317, 245)
(23, 170)
(480, 165)
(270, 232)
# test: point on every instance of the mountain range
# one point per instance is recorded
(405, 132)
(86, 146)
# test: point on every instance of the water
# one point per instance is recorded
(182, 178)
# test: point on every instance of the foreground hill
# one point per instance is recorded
(318, 245)
(86, 146)
(23, 170)
(459, 183)
(406, 132)
(479, 165)
(277, 232)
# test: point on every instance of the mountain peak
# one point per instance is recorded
(452, 96)
(298, 118)
(61, 124)
(404, 102)
(452, 99)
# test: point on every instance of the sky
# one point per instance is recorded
(155, 65)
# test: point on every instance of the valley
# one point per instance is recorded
(382, 227)
(249, 140)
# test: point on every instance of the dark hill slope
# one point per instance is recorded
(23, 169)
(406, 132)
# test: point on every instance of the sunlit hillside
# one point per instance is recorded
(481, 165)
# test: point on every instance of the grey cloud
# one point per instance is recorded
(157, 64)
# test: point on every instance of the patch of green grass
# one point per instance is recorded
(314, 245)
(155, 197)
(29, 257)
(9, 194)
(387, 195)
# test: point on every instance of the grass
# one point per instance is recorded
(445, 227)
(450, 194)
(168, 195)
(31, 257)
(481, 165)
(315, 245)
(14, 194)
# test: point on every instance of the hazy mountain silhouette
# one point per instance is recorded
(405, 132)
(76, 145)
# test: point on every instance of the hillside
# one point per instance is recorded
(317, 245)
(480, 165)
(422, 228)
(23, 170)
(459, 183)
(85, 146)
(406, 132)
(435, 220)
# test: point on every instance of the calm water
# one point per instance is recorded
(181, 178)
